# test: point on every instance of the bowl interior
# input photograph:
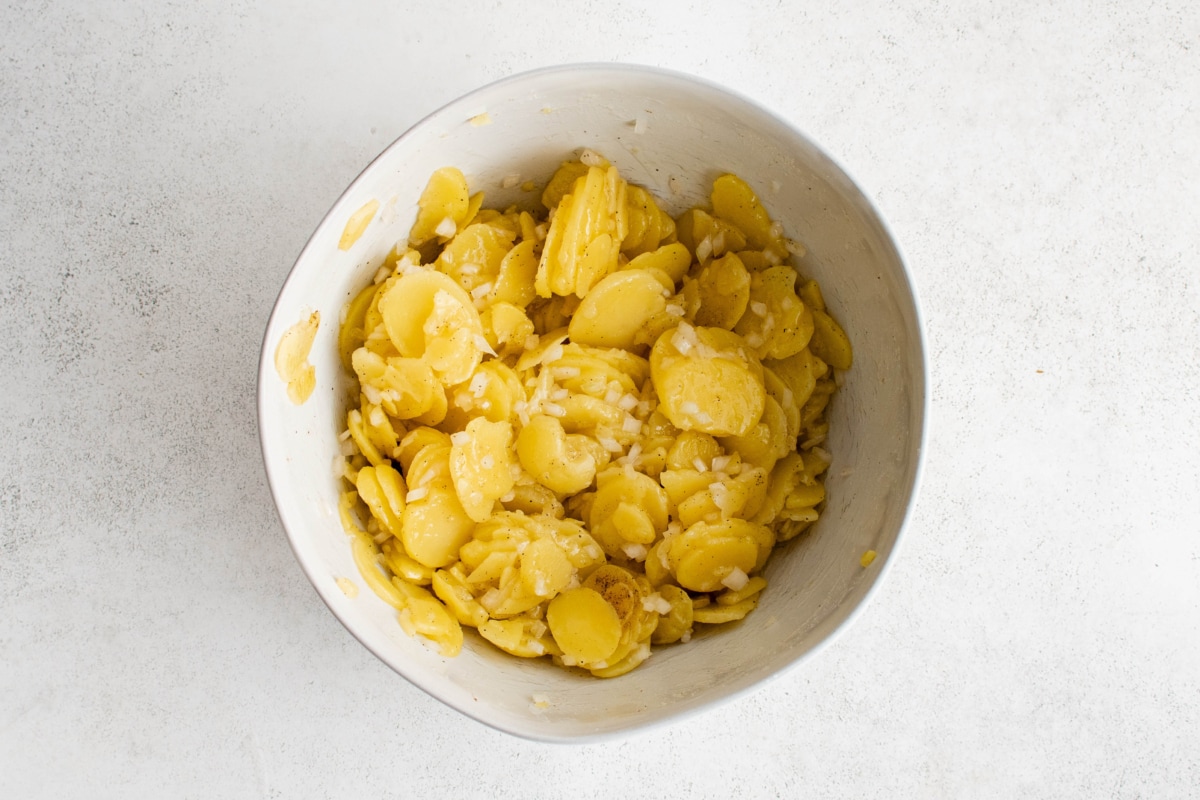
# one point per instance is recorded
(673, 135)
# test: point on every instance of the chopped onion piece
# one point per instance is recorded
(735, 580)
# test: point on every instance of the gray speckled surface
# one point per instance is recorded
(163, 164)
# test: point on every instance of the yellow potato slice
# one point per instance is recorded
(713, 384)
(403, 566)
(680, 484)
(426, 616)
(786, 398)
(514, 281)
(619, 588)
(706, 236)
(562, 182)
(474, 256)
(799, 373)
(706, 554)
(506, 328)
(490, 392)
(829, 342)
(724, 287)
(766, 442)
(428, 316)
(673, 259)
(810, 293)
(716, 614)
(417, 440)
(406, 386)
(616, 308)
(584, 239)
(636, 368)
(545, 568)
(776, 324)
(584, 625)
(481, 465)
(514, 636)
(383, 490)
(752, 587)
(353, 333)
(648, 224)
(690, 447)
(629, 508)
(735, 202)
(435, 527)
(444, 203)
(380, 427)
(559, 461)
(676, 623)
(452, 590)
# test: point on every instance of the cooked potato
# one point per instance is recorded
(580, 434)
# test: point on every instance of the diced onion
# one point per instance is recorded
(735, 580)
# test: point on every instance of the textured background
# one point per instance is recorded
(162, 164)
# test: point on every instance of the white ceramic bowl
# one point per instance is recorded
(672, 134)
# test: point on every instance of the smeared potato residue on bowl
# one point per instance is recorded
(583, 434)
(291, 357)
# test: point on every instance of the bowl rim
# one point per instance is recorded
(532, 732)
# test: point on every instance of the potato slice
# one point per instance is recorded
(830, 343)
(584, 625)
(629, 508)
(559, 461)
(707, 553)
(353, 332)
(776, 324)
(735, 202)
(443, 207)
(716, 614)
(514, 281)
(425, 615)
(506, 328)
(474, 256)
(648, 224)
(707, 380)
(677, 622)
(452, 590)
(616, 308)
(406, 386)
(481, 465)
(563, 182)
(428, 316)
(514, 636)
(383, 490)
(724, 292)
(434, 526)
(584, 239)
(545, 568)
(673, 259)
(766, 442)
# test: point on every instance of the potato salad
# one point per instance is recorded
(582, 430)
